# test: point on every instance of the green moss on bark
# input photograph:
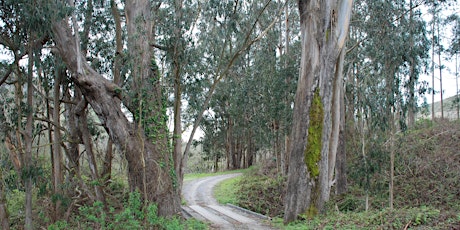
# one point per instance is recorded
(311, 212)
(313, 149)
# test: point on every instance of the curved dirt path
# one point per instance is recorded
(202, 205)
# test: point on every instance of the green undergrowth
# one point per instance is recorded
(225, 192)
(132, 216)
(260, 189)
(262, 193)
(404, 218)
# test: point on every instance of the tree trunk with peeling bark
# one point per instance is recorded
(341, 162)
(144, 141)
(324, 28)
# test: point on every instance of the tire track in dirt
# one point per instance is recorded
(202, 205)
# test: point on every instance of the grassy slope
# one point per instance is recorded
(225, 191)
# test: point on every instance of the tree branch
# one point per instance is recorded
(164, 48)
(6, 75)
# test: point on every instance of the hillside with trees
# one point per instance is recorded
(320, 98)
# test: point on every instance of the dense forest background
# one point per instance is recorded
(104, 103)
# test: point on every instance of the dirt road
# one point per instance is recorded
(201, 205)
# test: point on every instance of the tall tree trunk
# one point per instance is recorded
(412, 77)
(57, 153)
(392, 170)
(86, 138)
(277, 147)
(456, 83)
(341, 163)
(4, 217)
(229, 145)
(337, 97)
(216, 163)
(287, 102)
(72, 149)
(440, 73)
(28, 138)
(177, 65)
(391, 127)
(107, 167)
(324, 28)
(433, 115)
(361, 120)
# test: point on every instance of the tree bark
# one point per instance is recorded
(457, 99)
(287, 102)
(177, 73)
(4, 217)
(440, 74)
(86, 138)
(324, 27)
(433, 114)
(72, 149)
(57, 153)
(28, 138)
(341, 163)
(337, 97)
(229, 145)
(412, 77)
(107, 166)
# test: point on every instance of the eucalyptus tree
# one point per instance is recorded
(145, 140)
(454, 50)
(437, 24)
(176, 30)
(228, 29)
(437, 48)
(22, 37)
(389, 52)
(324, 29)
(254, 99)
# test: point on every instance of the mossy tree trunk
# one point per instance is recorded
(324, 28)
